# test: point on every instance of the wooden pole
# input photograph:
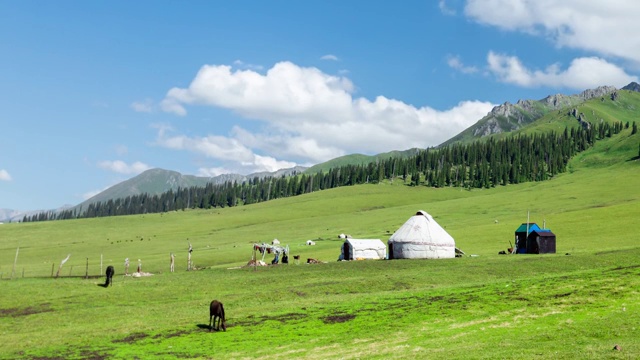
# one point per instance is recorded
(14, 263)
(62, 263)
(86, 272)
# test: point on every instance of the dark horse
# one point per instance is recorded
(216, 312)
(109, 280)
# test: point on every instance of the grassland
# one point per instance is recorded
(486, 306)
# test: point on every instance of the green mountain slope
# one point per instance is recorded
(486, 306)
(604, 104)
(158, 181)
(358, 159)
(153, 181)
(510, 117)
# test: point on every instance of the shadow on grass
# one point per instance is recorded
(207, 328)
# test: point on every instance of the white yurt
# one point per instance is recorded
(421, 237)
(362, 249)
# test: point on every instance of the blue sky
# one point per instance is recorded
(93, 93)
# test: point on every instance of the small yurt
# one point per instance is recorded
(421, 237)
(363, 249)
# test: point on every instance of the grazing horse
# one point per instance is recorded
(109, 280)
(216, 312)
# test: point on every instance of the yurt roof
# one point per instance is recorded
(422, 229)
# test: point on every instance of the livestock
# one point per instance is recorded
(110, 272)
(216, 313)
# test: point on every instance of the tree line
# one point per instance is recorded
(481, 164)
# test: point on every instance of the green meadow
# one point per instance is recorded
(578, 303)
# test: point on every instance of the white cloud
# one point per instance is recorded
(243, 65)
(445, 9)
(227, 149)
(329, 57)
(213, 172)
(582, 73)
(284, 93)
(143, 106)
(455, 62)
(4, 175)
(605, 27)
(307, 117)
(173, 106)
(121, 167)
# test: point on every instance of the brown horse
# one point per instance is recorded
(216, 312)
(109, 273)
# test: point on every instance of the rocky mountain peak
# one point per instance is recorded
(600, 91)
(633, 86)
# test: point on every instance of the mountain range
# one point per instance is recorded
(503, 118)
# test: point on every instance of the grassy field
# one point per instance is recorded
(577, 303)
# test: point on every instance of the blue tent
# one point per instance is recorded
(535, 240)
(522, 235)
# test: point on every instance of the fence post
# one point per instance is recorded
(86, 273)
(14, 263)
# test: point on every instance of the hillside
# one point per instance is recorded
(358, 159)
(486, 305)
(535, 152)
(510, 117)
(158, 181)
(526, 116)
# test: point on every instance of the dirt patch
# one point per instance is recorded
(94, 355)
(253, 320)
(340, 318)
(172, 334)
(625, 268)
(561, 295)
(82, 354)
(131, 338)
(30, 310)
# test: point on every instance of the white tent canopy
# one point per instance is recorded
(355, 249)
(421, 237)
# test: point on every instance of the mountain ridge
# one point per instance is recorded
(509, 117)
(506, 117)
(157, 181)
